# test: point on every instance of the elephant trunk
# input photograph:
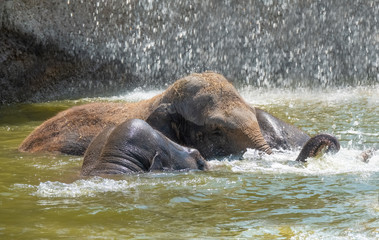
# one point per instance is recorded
(256, 138)
(319, 144)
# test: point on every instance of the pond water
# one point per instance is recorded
(256, 197)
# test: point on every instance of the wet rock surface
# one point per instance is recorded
(33, 72)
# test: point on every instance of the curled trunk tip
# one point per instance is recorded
(319, 144)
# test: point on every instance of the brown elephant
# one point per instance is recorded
(203, 111)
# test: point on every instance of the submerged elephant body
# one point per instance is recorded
(201, 111)
(134, 146)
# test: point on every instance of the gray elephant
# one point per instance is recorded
(134, 146)
(202, 111)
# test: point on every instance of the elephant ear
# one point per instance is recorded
(192, 99)
(164, 119)
(170, 118)
(196, 109)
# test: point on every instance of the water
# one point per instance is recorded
(330, 46)
(258, 197)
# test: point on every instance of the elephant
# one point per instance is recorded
(134, 146)
(202, 111)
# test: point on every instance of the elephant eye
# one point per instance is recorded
(217, 132)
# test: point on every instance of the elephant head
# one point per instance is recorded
(204, 111)
(134, 146)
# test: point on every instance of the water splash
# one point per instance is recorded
(345, 162)
(81, 188)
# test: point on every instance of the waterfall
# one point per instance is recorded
(263, 43)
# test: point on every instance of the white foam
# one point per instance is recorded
(98, 185)
(345, 161)
(81, 187)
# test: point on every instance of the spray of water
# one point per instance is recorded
(259, 43)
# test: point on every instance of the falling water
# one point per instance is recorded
(263, 43)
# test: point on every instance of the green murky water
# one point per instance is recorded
(259, 197)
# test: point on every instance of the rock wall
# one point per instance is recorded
(74, 48)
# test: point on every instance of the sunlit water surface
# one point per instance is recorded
(258, 197)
